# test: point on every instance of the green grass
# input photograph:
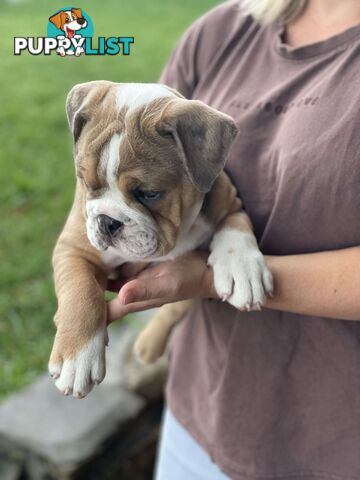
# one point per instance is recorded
(37, 177)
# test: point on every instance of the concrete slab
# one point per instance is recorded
(66, 430)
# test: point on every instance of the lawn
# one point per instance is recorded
(37, 177)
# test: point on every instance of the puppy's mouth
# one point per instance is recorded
(132, 241)
(137, 244)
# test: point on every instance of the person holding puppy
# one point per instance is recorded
(271, 394)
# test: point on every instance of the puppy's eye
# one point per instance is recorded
(146, 197)
(67, 20)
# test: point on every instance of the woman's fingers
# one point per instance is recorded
(166, 282)
(152, 288)
(145, 289)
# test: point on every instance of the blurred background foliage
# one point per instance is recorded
(36, 167)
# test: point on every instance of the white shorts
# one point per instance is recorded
(180, 457)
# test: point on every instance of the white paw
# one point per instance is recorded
(76, 376)
(241, 276)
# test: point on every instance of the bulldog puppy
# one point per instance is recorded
(150, 187)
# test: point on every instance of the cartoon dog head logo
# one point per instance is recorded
(70, 26)
(69, 21)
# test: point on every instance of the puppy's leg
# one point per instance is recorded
(241, 276)
(151, 342)
(77, 361)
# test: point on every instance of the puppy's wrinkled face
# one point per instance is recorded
(143, 164)
(141, 201)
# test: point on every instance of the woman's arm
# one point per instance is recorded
(325, 284)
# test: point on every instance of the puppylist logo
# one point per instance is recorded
(70, 33)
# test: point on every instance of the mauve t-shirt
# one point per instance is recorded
(270, 394)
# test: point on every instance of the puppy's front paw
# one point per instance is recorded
(241, 276)
(76, 370)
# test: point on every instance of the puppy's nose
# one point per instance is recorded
(81, 21)
(108, 225)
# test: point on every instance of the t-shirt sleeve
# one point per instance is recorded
(196, 48)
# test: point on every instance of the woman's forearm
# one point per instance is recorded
(325, 284)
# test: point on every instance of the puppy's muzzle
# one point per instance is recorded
(108, 226)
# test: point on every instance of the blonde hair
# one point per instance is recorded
(268, 11)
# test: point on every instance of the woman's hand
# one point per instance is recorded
(183, 278)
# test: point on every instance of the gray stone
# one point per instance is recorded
(123, 368)
(146, 380)
(9, 470)
(63, 430)
(121, 340)
(49, 436)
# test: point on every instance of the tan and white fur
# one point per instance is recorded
(150, 187)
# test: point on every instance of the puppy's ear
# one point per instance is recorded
(58, 19)
(77, 12)
(202, 136)
(81, 101)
